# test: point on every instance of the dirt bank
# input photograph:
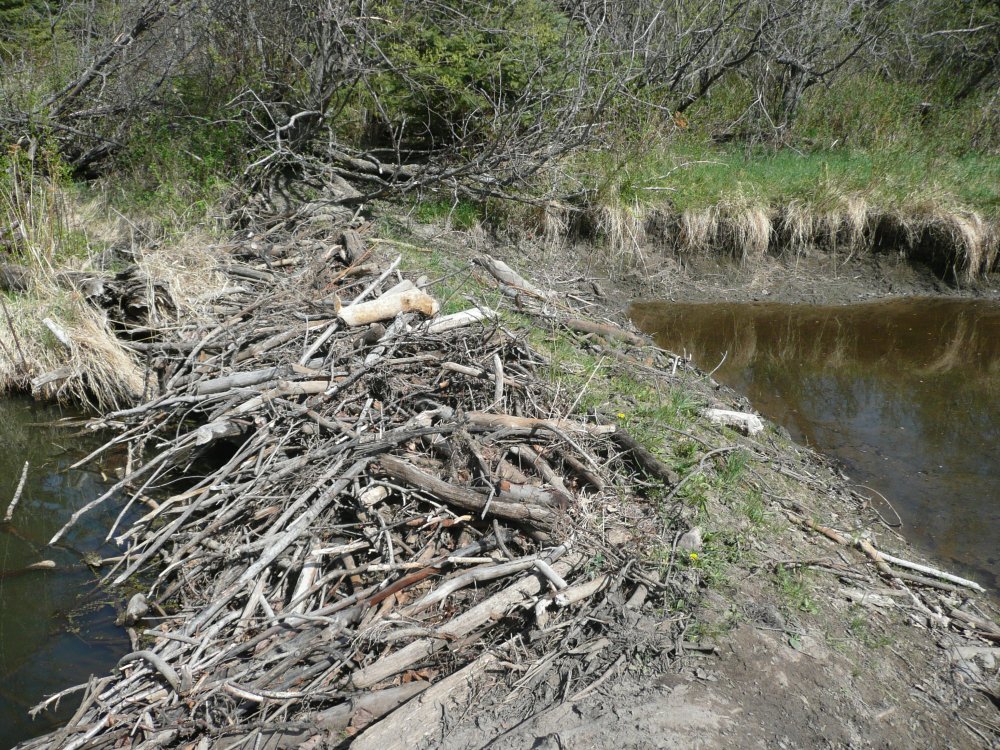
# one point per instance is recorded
(818, 277)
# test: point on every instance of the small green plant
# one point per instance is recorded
(696, 492)
(752, 508)
(457, 214)
(796, 589)
(732, 468)
(861, 628)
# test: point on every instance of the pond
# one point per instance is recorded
(904, 393)
(56, 626)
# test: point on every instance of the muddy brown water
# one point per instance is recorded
(56, 626)
(903, 392)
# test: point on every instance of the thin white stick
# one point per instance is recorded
(17, 495)
(371, 287)
(931, 571)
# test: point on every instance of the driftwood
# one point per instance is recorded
(59, 332)
(508, 277)
(748, 424)
(603, 329)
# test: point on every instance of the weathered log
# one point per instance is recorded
(59, 332)
(389, 306)
(530, 423)
(649, 463)
(422, 718)
(459, 319)
(17, 495)
(354, 246)
(507, 275)
(927, 570)
(14, 278)
(501, 505)
(748, 424)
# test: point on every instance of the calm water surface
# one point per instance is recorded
(56, 627)
(903, 392)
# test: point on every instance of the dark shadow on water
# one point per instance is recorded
(903, 392)
(56, 626)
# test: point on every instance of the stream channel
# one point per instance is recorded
(57, 627)
(903, 393)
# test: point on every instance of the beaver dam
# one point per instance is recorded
(374, 521)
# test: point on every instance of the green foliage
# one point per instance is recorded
(21, 21)
(32, 199)
(862, 629)
(451, 66)
(460, 214)
(178, 168)
(753, 509)
(732, 468)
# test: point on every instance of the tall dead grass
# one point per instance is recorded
(952, 241)
(86, 362)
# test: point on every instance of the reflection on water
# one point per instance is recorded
(904, 392)
(56, 627)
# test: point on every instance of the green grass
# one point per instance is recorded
(460, 214)
(693, 177)
(861, 628)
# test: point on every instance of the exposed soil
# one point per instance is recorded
(818, 278)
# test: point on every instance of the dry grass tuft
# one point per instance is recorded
(555, 224)
(855, 224)
(699, 229)
(93, 369)
(747, 229)
(991, 247)
(58, 233)
(623, 231)
(798, 227)
(967, 232)
(189, 269)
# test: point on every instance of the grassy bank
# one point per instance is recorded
(88, 274)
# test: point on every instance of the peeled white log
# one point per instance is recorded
(931, 571)
(17, 495)
(389, 306)
(403, 286)
(748, 424)
(459, 319)
(507, 275)
(505, 420)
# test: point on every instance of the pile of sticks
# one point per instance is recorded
(338, 500)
